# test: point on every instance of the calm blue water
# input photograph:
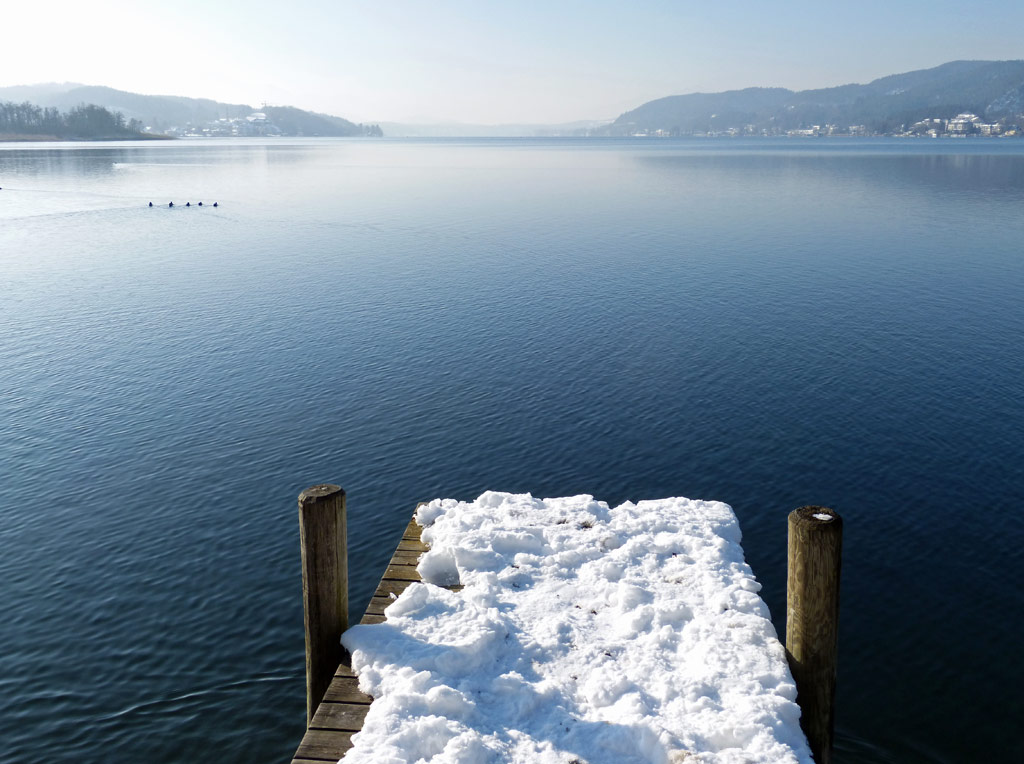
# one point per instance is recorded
(765, 323)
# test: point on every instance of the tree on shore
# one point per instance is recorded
(84, 122)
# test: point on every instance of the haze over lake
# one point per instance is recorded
(769, 323)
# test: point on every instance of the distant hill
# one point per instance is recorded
(292, 121)
(166, 112)
(993, 90)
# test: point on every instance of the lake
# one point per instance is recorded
(769, 323)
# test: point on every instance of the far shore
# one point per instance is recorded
(25, 138)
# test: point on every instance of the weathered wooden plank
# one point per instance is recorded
(386, 587)
(344, 670)
(409, 562)
(326, 745)
(413, 531)
(412, 556)
(310, 761)
(378, 605)
(342, 692)
(345, 689)
(372, 618)
(412, 545)
(402, 573)
(347, 717)
(402, 562)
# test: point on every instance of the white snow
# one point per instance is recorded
(823, 516)
(583, 635)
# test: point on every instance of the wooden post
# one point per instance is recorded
(812, 620)
(324, 586)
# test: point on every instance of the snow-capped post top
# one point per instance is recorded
(816, 517)
(812, 619)
(318, 493)
(611, 635)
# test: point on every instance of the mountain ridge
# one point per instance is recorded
(165, 113)
(990, 89)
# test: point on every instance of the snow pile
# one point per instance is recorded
(583, 635)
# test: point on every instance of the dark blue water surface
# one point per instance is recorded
(770, 324)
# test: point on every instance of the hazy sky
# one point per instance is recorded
(485, 61)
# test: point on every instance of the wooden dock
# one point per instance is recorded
(336, 709)
(343, 708)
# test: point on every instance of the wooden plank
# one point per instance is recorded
(344, 669)
(342, 692)
(402, 573)
(401, 562)
(347, 717)
(402, 555)
(387, 587)
(345, 689)
(326, 745)
(413, 532)
(407, 562)
(378, 605)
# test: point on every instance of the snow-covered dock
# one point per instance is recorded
(514, 629)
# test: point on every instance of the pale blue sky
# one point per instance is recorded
(488, 62)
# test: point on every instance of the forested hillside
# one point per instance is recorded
(26, 121)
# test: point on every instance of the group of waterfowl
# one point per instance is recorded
(169, 204)
(187, 204)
